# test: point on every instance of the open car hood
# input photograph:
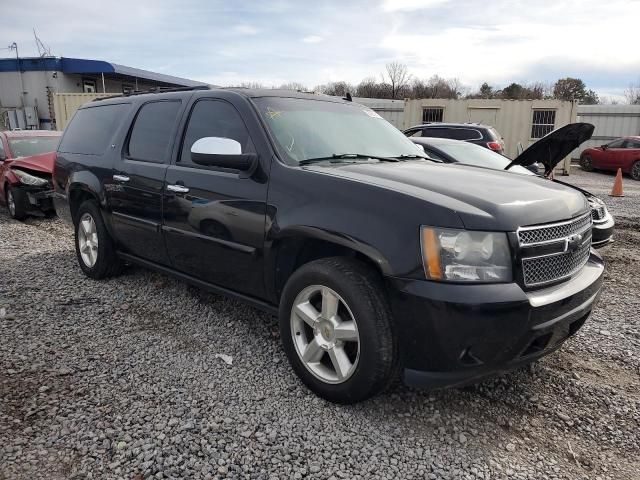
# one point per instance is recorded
(552, 148)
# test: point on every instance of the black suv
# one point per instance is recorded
(483, 135)
(315, 209)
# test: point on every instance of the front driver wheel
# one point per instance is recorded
(586, 163)
(95, 248)
(635, 170)
(336, 330)
(16, 201)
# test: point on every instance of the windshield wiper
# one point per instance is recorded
(405, 156)
(336, 157)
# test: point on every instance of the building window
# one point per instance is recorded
(544, 122)
(432, 114)
(88, 86)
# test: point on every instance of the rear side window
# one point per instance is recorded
(152, 132)
(465, 134)
(214, 118)
(91, 129)
(453, 133)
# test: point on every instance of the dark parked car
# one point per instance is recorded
(622, 153)
(317, 210)
(549, 150)
(26, 163)
(483, 135)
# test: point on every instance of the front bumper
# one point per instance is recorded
(39, 198)
(453, 334)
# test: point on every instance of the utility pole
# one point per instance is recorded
(14, 46)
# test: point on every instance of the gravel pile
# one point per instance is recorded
(145, 377)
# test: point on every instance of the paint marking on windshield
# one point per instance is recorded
(271, 113)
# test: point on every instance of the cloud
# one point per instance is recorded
(408, 5)
(278, 41)
(246, 30)
(312, 39)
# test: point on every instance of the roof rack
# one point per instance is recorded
(155, 90)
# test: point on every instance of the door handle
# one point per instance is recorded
(121, 178)
(177, 188)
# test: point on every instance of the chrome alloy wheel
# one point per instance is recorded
(11, 203)
(88, 240)
(325, 334)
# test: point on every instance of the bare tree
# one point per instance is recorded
(632, 94)
(397, 76)
(293, 86)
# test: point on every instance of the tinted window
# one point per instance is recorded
(212, 118)
(2, 154)
(465, 134)
(414, 133)
(436, 132)
(151, 134)
(454, 133)
(92, 128)
(617, 143)
(633, 144)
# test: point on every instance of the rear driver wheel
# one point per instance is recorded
(95, 248)
(336, 329)
(635, 170)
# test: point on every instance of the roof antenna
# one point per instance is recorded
(347, 97)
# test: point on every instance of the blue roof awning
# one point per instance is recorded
(79, 66)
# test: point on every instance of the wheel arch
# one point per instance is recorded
(302, 245)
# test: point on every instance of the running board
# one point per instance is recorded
(209, 287)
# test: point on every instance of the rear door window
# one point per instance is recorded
(92, 129)
(152, 133)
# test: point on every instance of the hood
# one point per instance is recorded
(41, 163)
(552, 148)
(483, 199)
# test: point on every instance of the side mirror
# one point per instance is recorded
(604, 147)
(222, 152)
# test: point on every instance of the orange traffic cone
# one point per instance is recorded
(616, 191)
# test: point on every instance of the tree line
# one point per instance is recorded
(397, 83)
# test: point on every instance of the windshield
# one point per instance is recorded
(471, 154)
(27, 146)
(314, 129)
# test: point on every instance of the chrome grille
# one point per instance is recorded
(541, 270)
(553, 231)
(597, 213)
(568, 244)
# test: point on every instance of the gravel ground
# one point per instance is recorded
(125, 379)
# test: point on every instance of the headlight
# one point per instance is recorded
(465, 256)
(29, 179)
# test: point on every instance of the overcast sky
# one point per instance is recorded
(314, 42)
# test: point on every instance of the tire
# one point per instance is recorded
(95, 248)
(586, 163)
(16, 201)
(357, 290)
(635, 170)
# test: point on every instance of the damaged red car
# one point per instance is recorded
(26, 167)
